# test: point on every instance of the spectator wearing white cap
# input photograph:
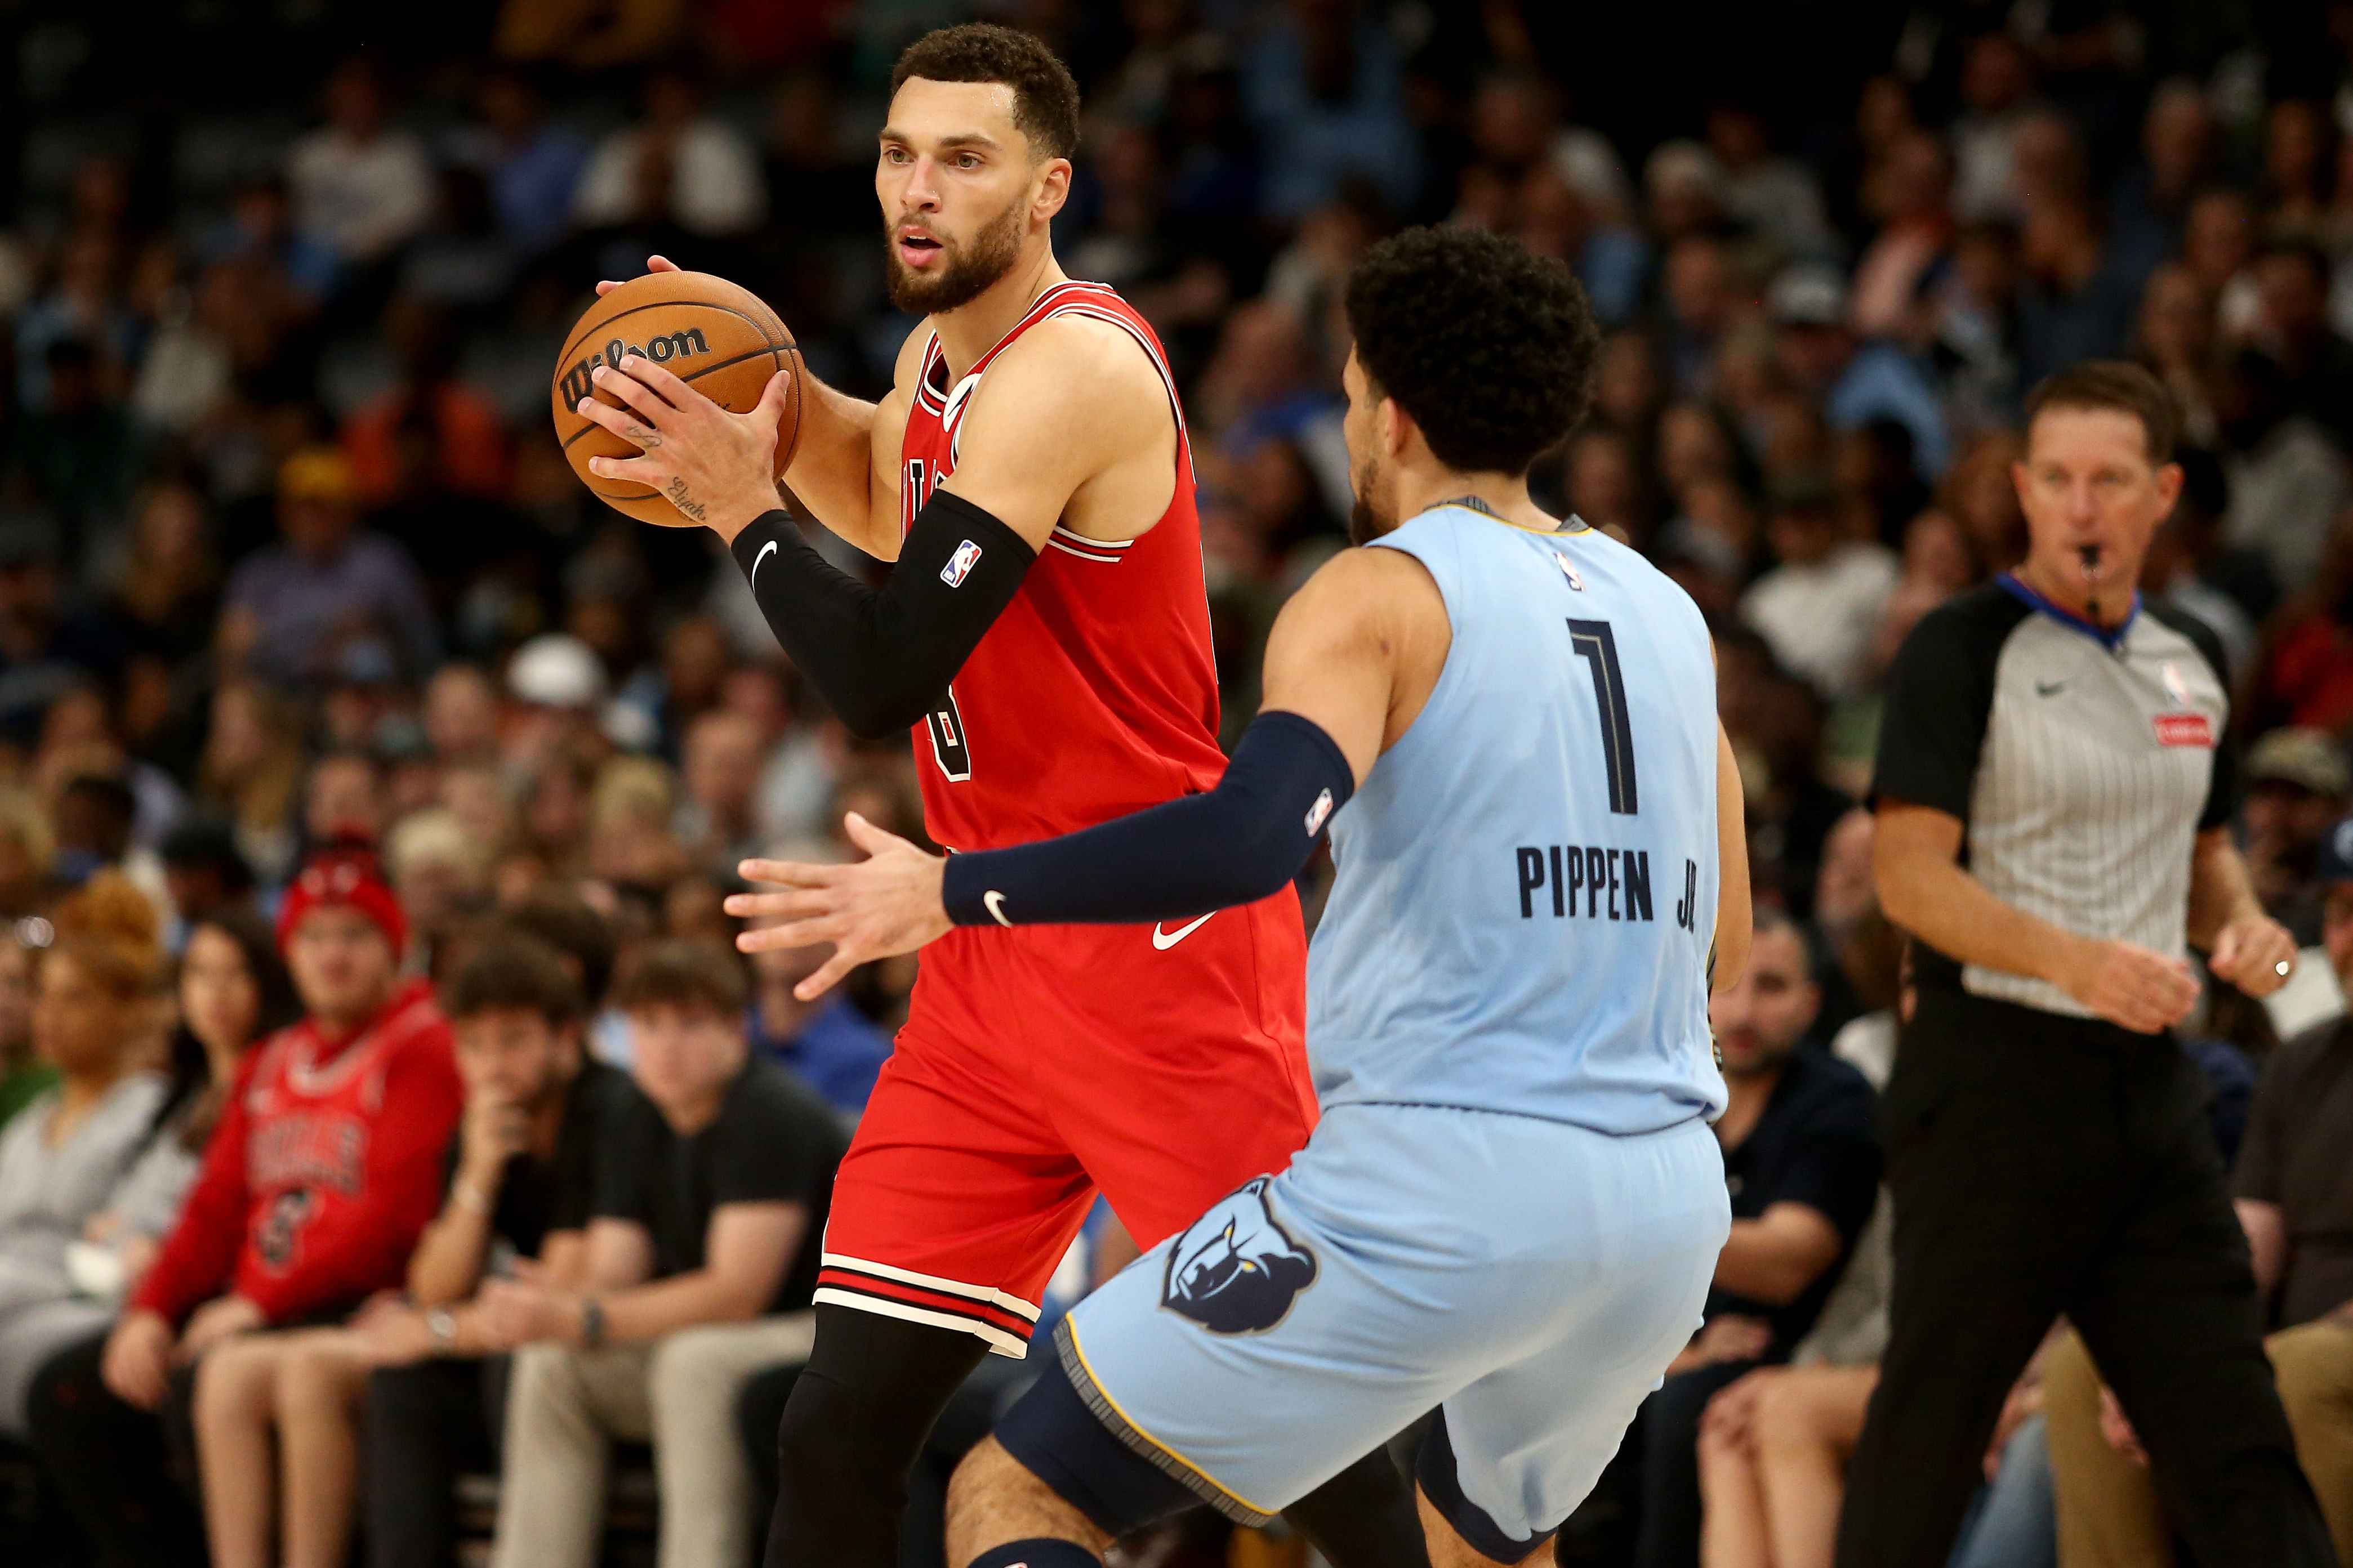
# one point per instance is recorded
(1857, 383)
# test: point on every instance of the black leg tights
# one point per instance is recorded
(1363, 1518)
(855, 1423)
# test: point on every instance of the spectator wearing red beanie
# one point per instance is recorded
(325, 1169)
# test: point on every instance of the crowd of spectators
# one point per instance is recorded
(304, 620)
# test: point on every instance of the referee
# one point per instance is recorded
(2052, 798)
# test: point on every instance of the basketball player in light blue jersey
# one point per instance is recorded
(1512, 1207)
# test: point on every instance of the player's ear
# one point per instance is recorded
(1053, 189)
(1396, 427)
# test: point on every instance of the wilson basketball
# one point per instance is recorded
(718, 338)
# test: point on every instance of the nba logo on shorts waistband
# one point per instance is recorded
(959, 565)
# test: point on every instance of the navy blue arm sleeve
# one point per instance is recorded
(1237, 844)
(882, 655)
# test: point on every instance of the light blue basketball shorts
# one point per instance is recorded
(1531, 1279)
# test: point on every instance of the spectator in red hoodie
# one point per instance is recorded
(325, 1168)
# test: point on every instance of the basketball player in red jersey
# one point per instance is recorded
(1044, 632)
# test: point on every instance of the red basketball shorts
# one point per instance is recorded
(1163, 1065)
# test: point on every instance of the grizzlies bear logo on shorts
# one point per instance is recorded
(1235, 1270)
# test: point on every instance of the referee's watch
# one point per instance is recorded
(441, 1323)
(592, 1323)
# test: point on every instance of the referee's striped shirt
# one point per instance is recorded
(2082, 762)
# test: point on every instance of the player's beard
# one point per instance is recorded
(1365, 524)
(970, 268)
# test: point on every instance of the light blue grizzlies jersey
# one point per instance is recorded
(1527, 879)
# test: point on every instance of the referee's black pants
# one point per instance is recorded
(2045, 1165)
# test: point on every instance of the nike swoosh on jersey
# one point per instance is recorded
(1164, 940)
(766, 550)
(2049, 688)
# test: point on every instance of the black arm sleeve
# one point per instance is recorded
(1237, 844)
(883, 656)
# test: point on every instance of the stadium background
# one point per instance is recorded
(273, 273)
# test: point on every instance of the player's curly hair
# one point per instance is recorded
(1045, 96)
(1488, 346)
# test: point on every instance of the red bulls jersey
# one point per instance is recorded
(325, 1169)
(1096, 693)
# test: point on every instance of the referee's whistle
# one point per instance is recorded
(2091, 554)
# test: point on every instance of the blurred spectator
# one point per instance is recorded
(1802, 1170)
(1775, 197)
(64, 1156)
(442, 874)
(676, 164)
(2292, 284)
(533, 167)
(1855, 383)
(2188, 564)
(290, 606)
(72, 452)
(2151, 196)
(2176, 341)
(107, 1458)
(24, 1074)
(461, 714)
(205, 875)
(520, 1180)
(85, 306)
(251, 770)
(430, 435)
(2298, 784)
(1996, 78)
(2076, 302)
(2287, 475)
(311, 1196)
(2299, 168)
(260, 229)
(701, 1257)
(342, 798)
(1325, 88)
(360, 187)
(586, 35)
(827, 1044)
(720, 770)
(1819, 607)
(1912, 196)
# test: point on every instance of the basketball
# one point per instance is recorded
(713, 335)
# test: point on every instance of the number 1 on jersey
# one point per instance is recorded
(1598, 645)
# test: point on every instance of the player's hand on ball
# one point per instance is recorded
(653, 263)
(2134, 987)
(2253, 953)
(885, 904)
(716, 467)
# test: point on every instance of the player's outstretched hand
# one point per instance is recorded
(888, 903)
(653, 263)
(2133, 986)
(2253, 953)
(718, 469)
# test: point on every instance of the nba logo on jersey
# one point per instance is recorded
(1569, 572)
(959, 565)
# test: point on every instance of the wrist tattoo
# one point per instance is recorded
(678, 496)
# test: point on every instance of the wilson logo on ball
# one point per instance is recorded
(677, 345)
